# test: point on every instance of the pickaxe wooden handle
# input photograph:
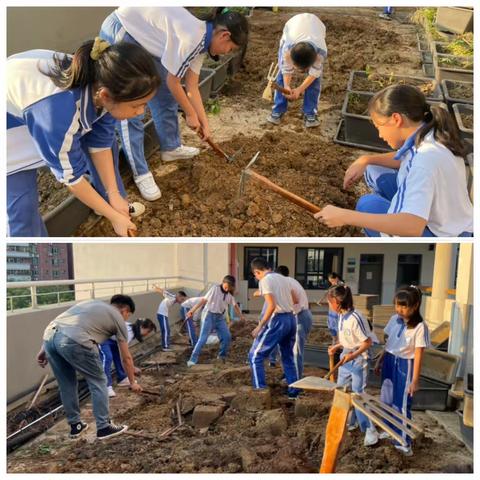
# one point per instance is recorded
(217, 149)
(276, 86)
(301, 202)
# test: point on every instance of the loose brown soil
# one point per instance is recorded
(467, 121)
(376, 82)
(461, 91)
(358, 103)
(199, 197)
(248, 437)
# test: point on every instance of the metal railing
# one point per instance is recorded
(88, 289)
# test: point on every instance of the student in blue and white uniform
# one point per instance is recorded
(179, 43)
(302, 311)
(215, 301)
(277, 327)
(109, 353)
(303, 48)
(61, 112)
(332, 319)
(408, 337)
(186, 306)
(169, 299)
(419, 190)
(355, 338)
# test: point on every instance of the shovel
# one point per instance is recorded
(291, 197)
(317, 384)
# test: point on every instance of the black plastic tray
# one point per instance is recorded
(340, 139)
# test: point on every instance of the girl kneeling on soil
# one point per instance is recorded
(216, 301)
(419, 190)
(178, 42)
(355, 338)
(408, 337)
(61, 111)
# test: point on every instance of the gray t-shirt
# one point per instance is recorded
(89, 323)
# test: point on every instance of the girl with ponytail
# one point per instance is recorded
(408, 337)
(418, 190)
(61, 112)
(179, 43)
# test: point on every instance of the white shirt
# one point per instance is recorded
(191, 302)
(353, 330)
(403, 341)
(300, 293)
(280, 287)
(432, 185)
(217, 301)
(171, 34)
(304, 27)
(169, 300)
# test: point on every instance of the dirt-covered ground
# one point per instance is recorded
(254, 432)
(200, 196)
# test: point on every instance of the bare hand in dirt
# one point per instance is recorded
(118, 203)
(256, 331)
(193, 122)
(42, 358)
(135, 387)
(331, 216)
(122, 224)
(355, 171)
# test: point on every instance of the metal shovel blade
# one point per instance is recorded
(314, 384)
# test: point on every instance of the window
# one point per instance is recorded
(269, 253)
(312, 266)
(409, 270)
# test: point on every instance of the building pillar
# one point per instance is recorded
(442, 274)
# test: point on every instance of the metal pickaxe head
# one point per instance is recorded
(231, 158)
(245, 172)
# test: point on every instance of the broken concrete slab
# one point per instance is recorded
(229, 396)
(272, 422)
(205, 415)
(252, 400)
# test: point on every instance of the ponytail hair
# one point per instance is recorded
(343, 295)
(410, 297)
(126, 70)
(411, 102)
(235, 22)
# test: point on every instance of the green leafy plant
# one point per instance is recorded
(213, 106)
(44, 449)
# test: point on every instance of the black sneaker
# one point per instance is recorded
(111, 430)
(76, 429)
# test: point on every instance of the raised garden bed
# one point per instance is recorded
(455, 19)
(361, 81)
(458, 48)
(450, 67)
(464, 118)
(457, 92)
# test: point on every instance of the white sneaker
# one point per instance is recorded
(111, 392)
(353, 427)
(383, 435)
(147, 186)
(124, 383)
(181, 153)
(190, 364)
(407, 451)
(371, 437)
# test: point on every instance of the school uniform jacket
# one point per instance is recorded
(172, 34)
(48, 125)
(432, 185)
(308, 28)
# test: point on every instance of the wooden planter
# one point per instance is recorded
(436, 94)
(455, 19)
(451, 72)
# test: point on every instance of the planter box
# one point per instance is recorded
(451, 72)
(358, 127)
(205, 83)
(452, 91)
(426, 57)
(340, 139)
(428, 70)
(358, 77)
(467, 432)
(220, 77)
(466, 131)
(455, 19)
(422, 44)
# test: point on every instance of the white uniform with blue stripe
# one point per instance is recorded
(47, 125)
(162, 317)
(432, 185)
(308, 28)
(403, 341)
(171, 34)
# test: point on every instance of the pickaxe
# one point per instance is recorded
(219, 151)
(271, 76)
(301, 202)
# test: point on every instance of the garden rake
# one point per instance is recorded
(272, 85)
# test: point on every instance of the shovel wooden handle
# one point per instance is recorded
(301, 202)
(131, 232)
(331, 365)
(276, 86)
